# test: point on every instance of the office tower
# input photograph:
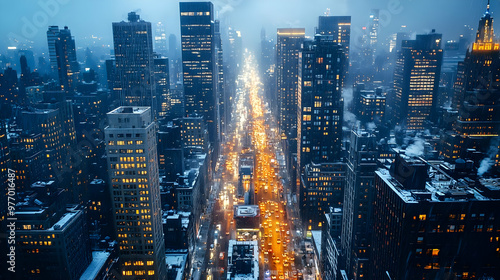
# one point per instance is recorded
(234, 62)
(52, 37)
(481, 66)
(373, 29)
(427, 225)
(357, 207)
(194, 134)
(289, 44)
(51, 243)
(267, 66)
(170, 151)
(134, 181)
(416, 81)
(340, 28)
(160, 39)
(162, 80)
(48, 123)
(370, 106)
(199, 63)
(320, 101)
(67, 66)
(476, 96)
(222, 102)
(28, 158)
(175, 60)
(321, 187)
(133, 44)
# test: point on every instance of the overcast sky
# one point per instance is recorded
(28, 19)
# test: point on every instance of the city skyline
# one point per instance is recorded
(262, 140)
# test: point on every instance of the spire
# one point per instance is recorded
(488, 7)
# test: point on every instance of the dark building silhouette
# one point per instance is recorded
(199, 63)
(427, 225)
(476, 97)
(339, 27)
(133, 45)
(357, 207)
(320, 101)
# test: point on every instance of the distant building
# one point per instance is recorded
(416, 81)
(371, 106)
(133, 46)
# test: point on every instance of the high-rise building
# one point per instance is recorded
(134, 181)
(222, 102)
(289, 44)
(340, 28)
(481, 66)
(320, 101)
(68, 68)
(160, 45)
(373, 29)
(416, 80)
(476, 96)
(52, 36)
(162, 80)
(427, 225)
(199, 63)
(133, 45)
(357, 207)
(322, 186)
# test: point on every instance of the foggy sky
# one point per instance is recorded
(94, 17)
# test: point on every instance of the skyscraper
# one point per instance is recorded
(477, 96)
(373, 29)
(289, 44)
(340, 28)
(135, 191)
(67, 66)
(162, 81)
(160, 39)
(320, 101)
(133, 45)
(199, 63)
(52, 36)
(357, 207)
(320, 117)
(416, 80)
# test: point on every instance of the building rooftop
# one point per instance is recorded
(98, 260)
(440, 187)
(65, 220)
(252, 255)
(176, 261)
(130, 110)
(246, 211)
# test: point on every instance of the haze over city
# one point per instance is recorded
(250, 140)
